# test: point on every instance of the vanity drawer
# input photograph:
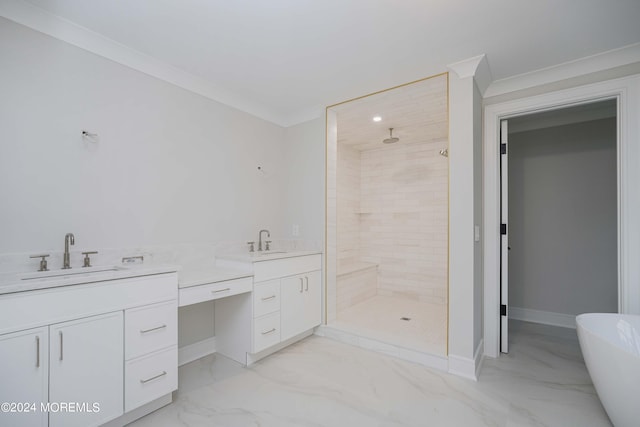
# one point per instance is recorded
(212, 291)
(150, 328)
(266, 297)
(150, 377)
(266, 331)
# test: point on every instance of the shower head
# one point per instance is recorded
(391, 139)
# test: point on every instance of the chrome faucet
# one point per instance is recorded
(68, 240)
(260, 238)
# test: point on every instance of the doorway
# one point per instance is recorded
(626, 92)
(559, 210)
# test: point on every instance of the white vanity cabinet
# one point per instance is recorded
(77, 346)
(284, 306)
(288, 290)
(24, 370)
(86, 367)
(300, 304)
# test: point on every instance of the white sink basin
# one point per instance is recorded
(59, 274)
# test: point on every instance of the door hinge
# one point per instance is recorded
(503, 148)
(503, 229)
(503, 310)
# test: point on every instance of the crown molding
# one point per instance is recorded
(476, 67)
(591, 64)
(42, 21)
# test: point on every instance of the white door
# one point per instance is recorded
(24, 376)
(86, 363)
(504, 238)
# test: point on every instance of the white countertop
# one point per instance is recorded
(22, 282)
(203, 275)
(251, 257)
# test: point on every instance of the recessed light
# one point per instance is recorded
(377, 118)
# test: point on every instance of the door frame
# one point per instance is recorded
(627, 93)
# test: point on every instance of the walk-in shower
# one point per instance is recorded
(387, 218)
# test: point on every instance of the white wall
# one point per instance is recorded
(465, 212)
(170, 167)
(304, 157)
(563, 218)
(478, 258)
(461, 214)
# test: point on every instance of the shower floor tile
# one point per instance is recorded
(381, 318)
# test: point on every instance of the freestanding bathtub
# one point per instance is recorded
(610, 345)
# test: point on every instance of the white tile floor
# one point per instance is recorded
(380, 318)
(321, 382)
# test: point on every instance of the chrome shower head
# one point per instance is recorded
(391, 139)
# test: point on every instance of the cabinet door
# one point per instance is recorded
(292, 306)
(301, 302)
(24, 376)
(86, 363)
(312, 300)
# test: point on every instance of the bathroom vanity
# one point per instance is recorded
(85, 347)
(285, 305)
(105, 339)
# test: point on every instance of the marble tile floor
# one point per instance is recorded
(380, 318)
(321, 382)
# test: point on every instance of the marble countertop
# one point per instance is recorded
(203, 275)
(23, 282)
(251, 257)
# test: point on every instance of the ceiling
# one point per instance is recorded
(291, 58)
(417, 113)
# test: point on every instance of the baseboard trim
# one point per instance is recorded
(543, 317)
(464, 367)
(197, 350)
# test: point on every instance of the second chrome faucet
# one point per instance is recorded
(260, 239)
(69, 239)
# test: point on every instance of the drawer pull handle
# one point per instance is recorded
(268, 298)
(269, 331)
(61, 346)
(221, 290)
(153, 378)
(37, 352)
(144, 331)
(307, 284)
(301, 284)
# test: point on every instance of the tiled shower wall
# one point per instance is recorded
(348, 206)
(404, 218)
(392, 210)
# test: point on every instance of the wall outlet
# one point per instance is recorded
(295, 230)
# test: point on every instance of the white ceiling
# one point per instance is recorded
(294, 57)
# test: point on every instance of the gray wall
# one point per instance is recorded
(563, 218)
